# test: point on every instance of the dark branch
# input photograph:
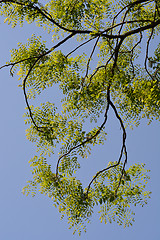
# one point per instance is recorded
(89, 59)
(43, 12)
(141, 29)
(15, 63)
(90, 138)
(147, 49)
(126, 22)
(30, 70)
(80, 46)
(123, 149)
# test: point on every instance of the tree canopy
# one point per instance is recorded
(111, 75)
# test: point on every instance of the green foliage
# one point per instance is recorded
(68, 195)
(112, 32)
(131, 192)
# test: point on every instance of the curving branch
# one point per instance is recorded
(132, 52)
(90, 138)
(122, 173)
(15, 63)
(147, 50)
(123, 144)
(43, 12)
(95, 72)
(45, 15)
(123, 150)
(30, 70)
(25, 95)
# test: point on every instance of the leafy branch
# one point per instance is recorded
(116, 82)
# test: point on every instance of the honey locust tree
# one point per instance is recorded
(108, 76)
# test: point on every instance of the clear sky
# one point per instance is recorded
(27, 218)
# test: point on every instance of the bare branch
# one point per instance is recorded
(80, 46)
(89, 59)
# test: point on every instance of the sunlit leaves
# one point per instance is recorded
(68, 194)
(107, 75)
(20, 11)
(131, 192)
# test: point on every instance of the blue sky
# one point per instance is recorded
(27, 218)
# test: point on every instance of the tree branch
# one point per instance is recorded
(30, 70)
(90, 138)
(123, 149)
(17, 62)
(89, 59)
(80, 46)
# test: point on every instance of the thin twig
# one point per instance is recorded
(94, 47)
(132, 52)
(147, 49)
(80, 46)
(96, 70)
(14, 63)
